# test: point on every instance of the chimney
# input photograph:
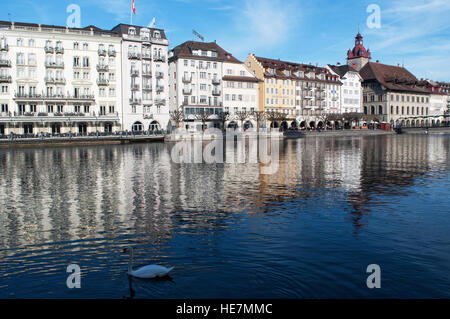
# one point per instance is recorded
(338, 64)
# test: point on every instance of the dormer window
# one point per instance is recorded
(131, 31)
(204, 53)
(288, 73)
(157, 34)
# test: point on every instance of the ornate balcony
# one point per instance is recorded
(159, 75)
(112, 52)
(146, 87)
(102, 82)
(146, 73)
(60, 81)
(59, 50)
(48, 49)
(5, 78)
(134, 101)
(187, 91)
(49, 79)
(102, 67)
(56, 65)
(134, 55)
(216, 81)
(134, 87)
(134, 72)
(4, 47)
(159, 88)
(5, 63)
(159, 58)
(101, 52)
(216, 92)
(146, 56)
(159, 101)
(187, 79)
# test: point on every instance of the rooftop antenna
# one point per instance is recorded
(198, 35)
(152, 23)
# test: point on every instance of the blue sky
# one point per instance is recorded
(413, 32)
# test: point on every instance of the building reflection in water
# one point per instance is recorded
(64, 194)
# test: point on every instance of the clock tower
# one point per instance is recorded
(359, 56)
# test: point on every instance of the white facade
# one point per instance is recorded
(68, 80)
(350, 91)
(145, 82)
(56, 80)
(240, 91)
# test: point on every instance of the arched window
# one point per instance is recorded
(380, 109)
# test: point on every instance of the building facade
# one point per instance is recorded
(145, 78)
(59, 80)
(351, 89)
(204, 78)
(394, 95)
(300, 92)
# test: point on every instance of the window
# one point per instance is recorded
(185, 62)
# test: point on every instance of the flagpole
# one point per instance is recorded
(131, 13)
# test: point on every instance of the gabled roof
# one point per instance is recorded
(122, 28)
(392, 77)
(280, 66)
(185, 50)
(342, 70)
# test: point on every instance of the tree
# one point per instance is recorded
(241, 116)
(272, 116)
(258, 116)
(176, 117)
(223, 117)
(203, 116)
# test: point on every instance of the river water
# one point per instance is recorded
(335, 206)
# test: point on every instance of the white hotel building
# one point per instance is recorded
(351, 89)
(206, 78)
(57, 79)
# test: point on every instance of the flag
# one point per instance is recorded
(133, 7)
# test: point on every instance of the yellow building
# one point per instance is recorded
(298, 91)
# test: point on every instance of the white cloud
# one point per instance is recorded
(261, 24)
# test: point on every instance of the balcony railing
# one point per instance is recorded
(215, 92)
(102, 82)
(49, 79)
(112, 52)
(82, 97)
(146, 87)
(134, 72)
(5, 78)
(187, 91)
(146, 73)
(134, 87)
(148, 116)
(27, 96)
(102, 67)
(4, 48)
(48, 49)
(5, 63)
(102, 52)
(146, 56)
(159, 75)
(51, 64)
(60, 81)
(159, 88)
(187, 79)
(134, 55)
(159, 58)
(160, 101)
(135, 101)
(216, 81)
(59, 50)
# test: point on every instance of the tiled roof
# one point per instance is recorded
(392, 77)
(185, 50)
(281, 66)
(341, 70)
(240, 78)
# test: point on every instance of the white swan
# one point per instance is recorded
(149, 271)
